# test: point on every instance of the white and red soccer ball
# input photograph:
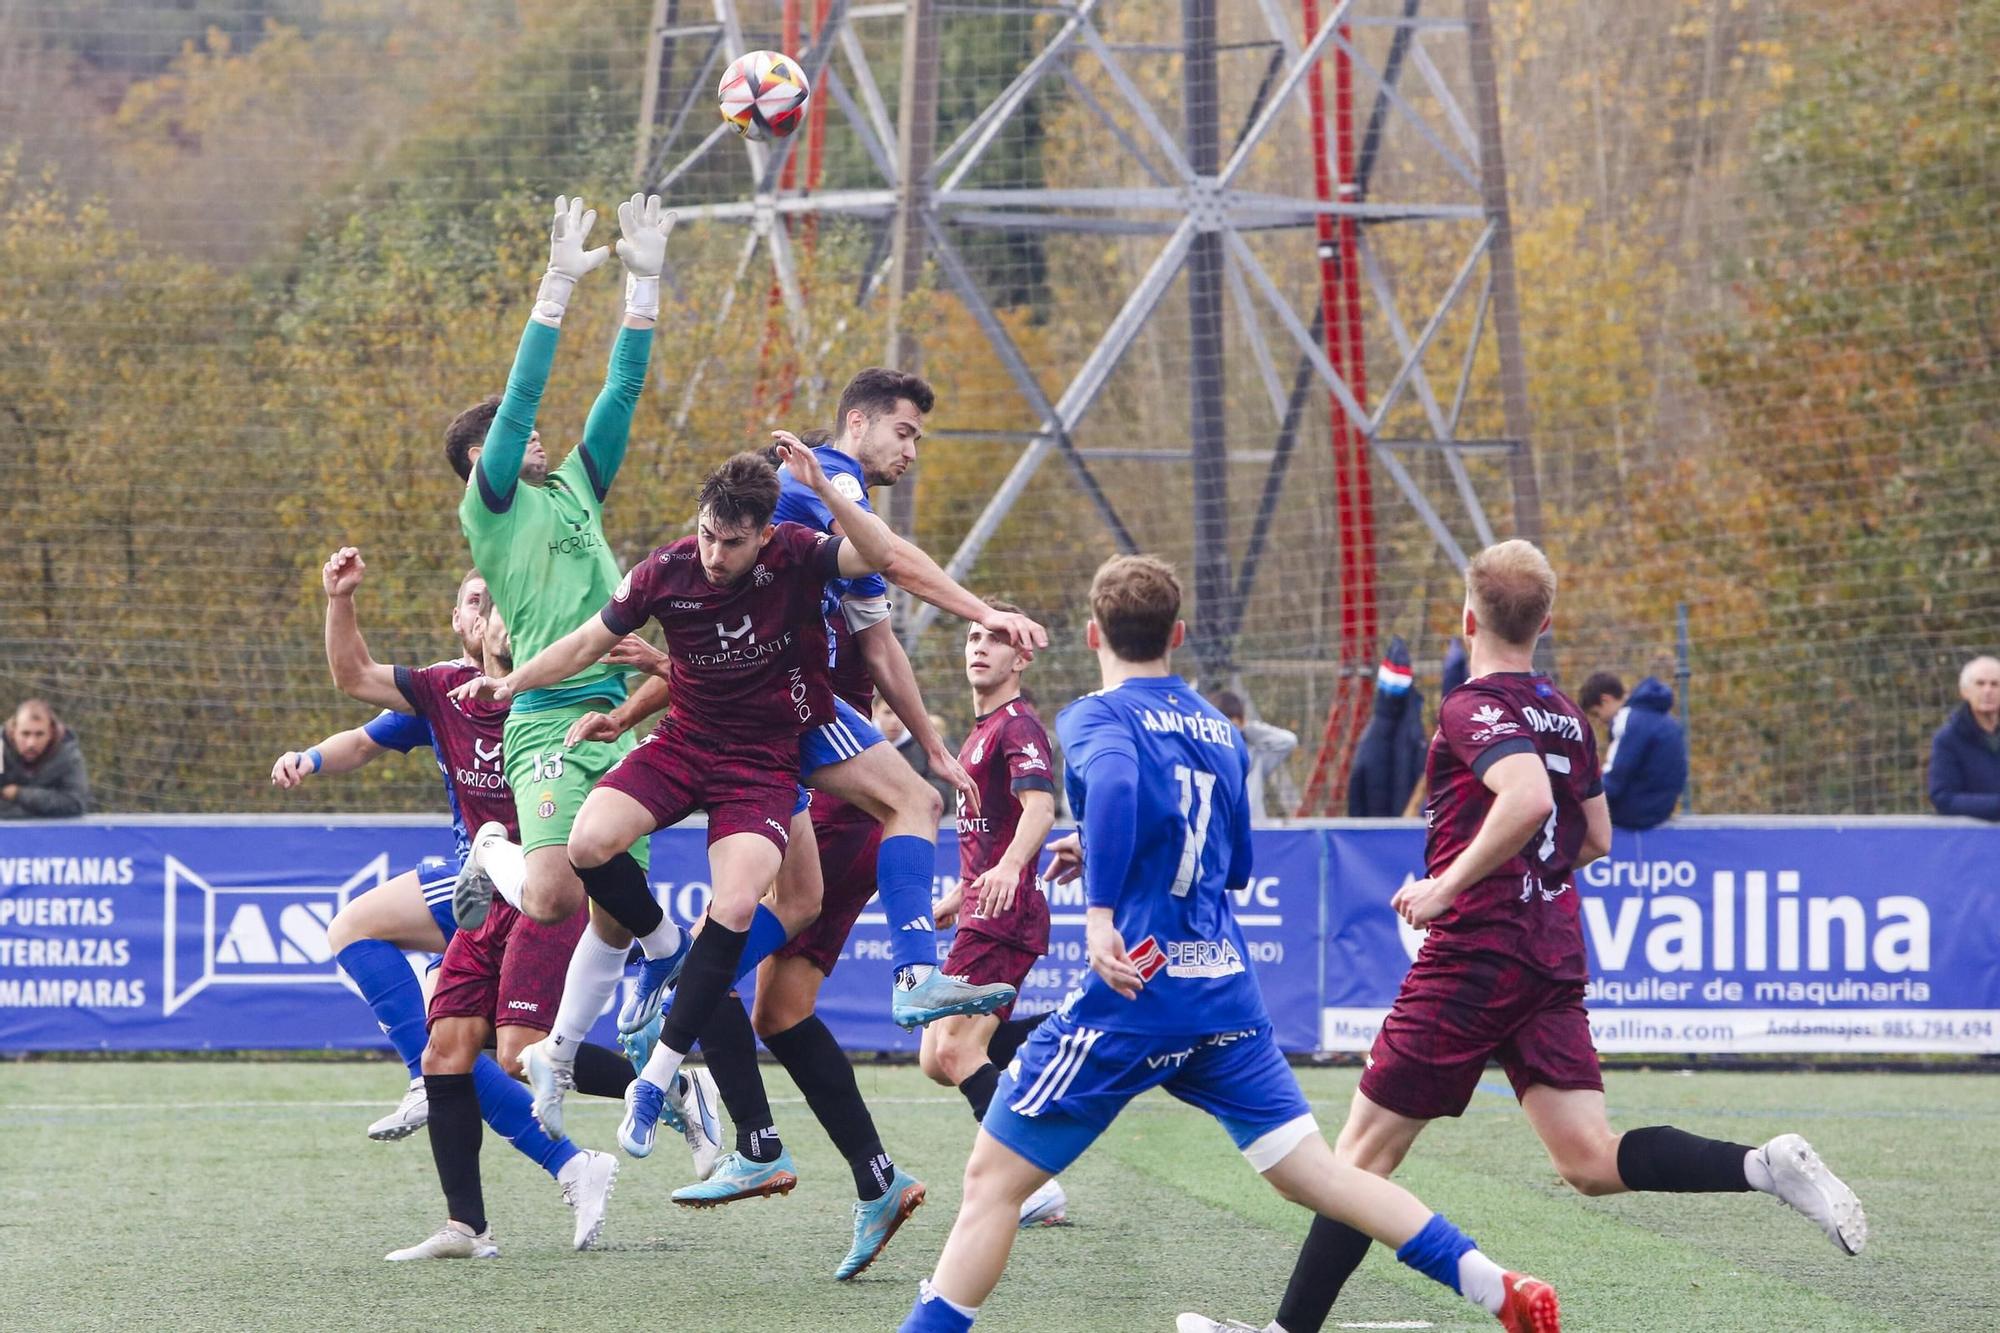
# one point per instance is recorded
(763, 95)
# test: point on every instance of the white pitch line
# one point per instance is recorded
(1391, 1323)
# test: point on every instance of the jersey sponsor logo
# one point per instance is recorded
(483, 754)
(1149, 958)
(797, 691)
(1181, 1057)
(478, 780)
(1032, 757)
(725, 633)
(624, 591)
(847, 486)
(1202, 958)
(575, 543)
(1492, 722)
(678, 605)
(525, 1006)
(978, 752)
(1562, 724)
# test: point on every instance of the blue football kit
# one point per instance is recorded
(404, 732)
(1156, 777)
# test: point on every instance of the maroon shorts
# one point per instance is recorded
(509, 971)
(984, 961)
(847, 848)
(744, 786)
(1454, 1014)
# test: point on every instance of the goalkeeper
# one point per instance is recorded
(538, 537)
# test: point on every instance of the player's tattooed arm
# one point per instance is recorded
(342, 752)
(889, 667)
(559, 661)
(1521, 802)
(356, 673)
(993, 892)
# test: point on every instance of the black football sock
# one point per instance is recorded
(601, 1071)
(978, 1088)
(1008, 1038)
(706, 980)
(762, 1146)
(455, 1130)
(730, 1048)
(619, 886)
(1674, 1161)
(1333, 1250)
(816, 1063)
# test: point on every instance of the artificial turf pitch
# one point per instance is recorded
(242, 1195)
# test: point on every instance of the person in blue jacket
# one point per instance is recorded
(1965, 753)
(1389, 759)
(1646, 768)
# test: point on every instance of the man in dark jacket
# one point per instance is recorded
(1389, 758)
(42, 774)
(1965, 753)
(1646, 768)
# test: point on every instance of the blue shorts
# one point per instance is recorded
(436, 877)
(1069, 1083)
(843, 738)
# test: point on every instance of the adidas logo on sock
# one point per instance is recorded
(921, 923)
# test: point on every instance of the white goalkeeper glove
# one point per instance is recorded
(642, 243)
(568, 260)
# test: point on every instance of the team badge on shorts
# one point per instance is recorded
(547, 809)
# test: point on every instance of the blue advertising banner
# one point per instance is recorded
(1706, 936)
(1731, 935)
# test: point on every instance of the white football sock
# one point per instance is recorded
(507, 866)
(594, 970)
(909, 977)
(662, 1065)
(1482, 1281)
(926, 1292)
(663, 941)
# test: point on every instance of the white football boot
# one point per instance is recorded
(452, 1241)
(411, 1114)
(548, 1078)
(701, 1103)
(1800, 1179)
(587, 1180)
(1046, 1207)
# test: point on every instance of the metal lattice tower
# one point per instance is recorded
(1199, 205)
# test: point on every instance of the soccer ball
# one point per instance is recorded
(763, 95)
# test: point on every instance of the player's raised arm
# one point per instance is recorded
(558, 662)
(642, 244)
(889, 667)
(499, 466)
(355, 671)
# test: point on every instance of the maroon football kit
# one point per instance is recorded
(1501, 973)
(1006, 754)
(746, 676)
(467, 737)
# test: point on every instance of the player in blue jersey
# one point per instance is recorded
(1156, 777)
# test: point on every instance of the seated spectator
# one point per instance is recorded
(1269, 746)
(1646, 768)
(1600, 699)
(1965, 753)
(1389, 757)
(42, 775)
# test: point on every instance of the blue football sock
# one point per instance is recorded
(766, 937)
(508, 1106)
(1435, 1251)
(932, 1313)
(391, 989)
(903, 871)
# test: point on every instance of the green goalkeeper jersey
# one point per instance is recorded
(541, 549)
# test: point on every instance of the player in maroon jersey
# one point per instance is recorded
(1001, 913)
(740, 605)
(1516, 805)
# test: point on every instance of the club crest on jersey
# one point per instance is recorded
(1149, 958)
(847, 486)
(762, 577)
(1492, 722)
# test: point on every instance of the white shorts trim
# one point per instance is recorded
(1273, 1147)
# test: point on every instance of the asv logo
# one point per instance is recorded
(724, 633)
(252, 934)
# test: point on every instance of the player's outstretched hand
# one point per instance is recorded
(1421, 901)
(1026, 635)
(592, 727)
(342, 572)
(492, 689)
(800, 460)
(944, 912)
(634, 652)
(944, 764)
(993, 892)
(567, 234)
(292, 768)
(643, 229)
(1065, 859)
(1105, 949)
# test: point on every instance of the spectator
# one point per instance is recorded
(1600, 699)
(1268, 747)
(898, 735)
(1646, 768)
(42, 775)
(1389, 758)
(1965, 753)
(1456, 669)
